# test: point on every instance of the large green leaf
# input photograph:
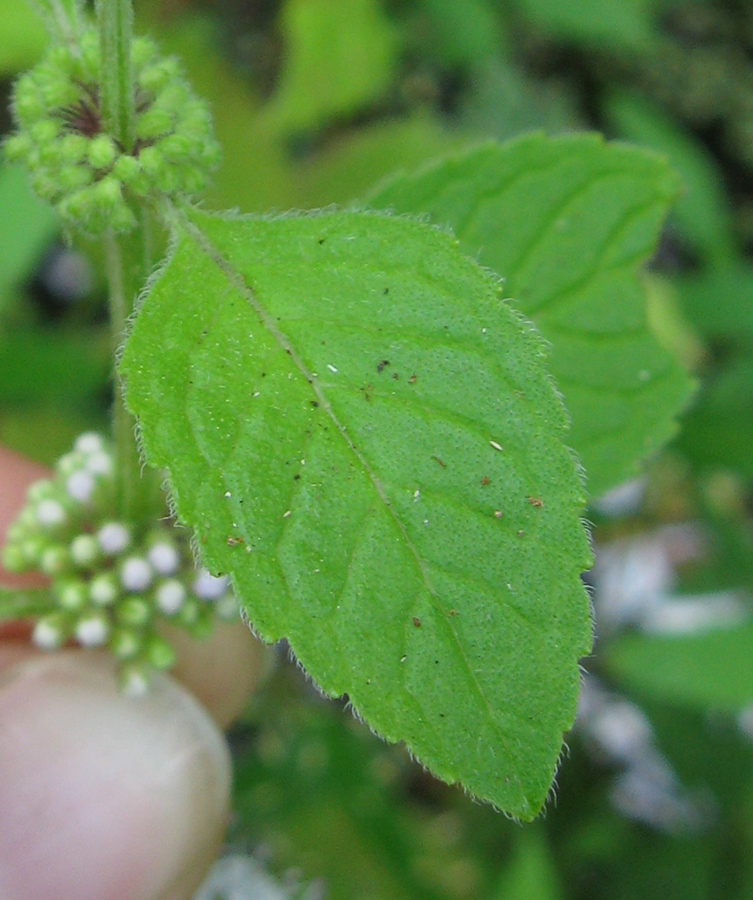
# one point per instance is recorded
(340, 57)
(709, 670)
(703, 212)
(363, 434)
(26, 233)
(567, 222)
(22, 36)
(626, 25)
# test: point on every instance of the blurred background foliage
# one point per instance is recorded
(315, 101)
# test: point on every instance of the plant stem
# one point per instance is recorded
(115, 20)
(128, 255)
(129, 259)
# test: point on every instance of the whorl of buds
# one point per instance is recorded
(112, 582)
(93, 181)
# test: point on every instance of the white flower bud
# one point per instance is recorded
(136, 574)
(165, 558)
(47, 634)
(113, 538)
(170, 596)
(227, 607)
(50, 513)
(92, 631)
(80, 486)
(209, 587)
(90, 442)
(135, 682)
(99, 464)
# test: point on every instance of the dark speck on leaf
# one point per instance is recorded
(382, 365)
(315, 403)
(485, 480)
(386, 290)
(453, 612)
(441, 462)
(416, 622)
(321, 241)
(536, 502)
(296, 477)
(395, 377)
(412, 379)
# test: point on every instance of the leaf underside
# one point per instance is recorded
(568, 222)
(363, 434)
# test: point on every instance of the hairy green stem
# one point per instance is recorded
(129, 260)
(115, 21)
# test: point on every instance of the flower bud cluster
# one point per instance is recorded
(92, 180)
(112, 582)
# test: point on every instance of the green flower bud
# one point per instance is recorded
(16, 532)
(78, 206)
(173, 97)
(85, 551)
(154, 77)
(32, 549)
(71, 594)
(45, 489)
(159, 653)
(17, 147)
(13, 559)
(125, 643)
(73, 177)
(102, 151)
(107, 192)
(143, 51)
(134, 611)
(153, 123)
(57, 92)
(45, 187)
(74, 148)
(168, 179)
(28, 102)
(55, 560)
(104, 589)
(127, 169)
(45, 130)
(69, 463)
(151, 161)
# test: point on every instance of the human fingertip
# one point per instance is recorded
(103, 795)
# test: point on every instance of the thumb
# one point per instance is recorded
(104, 797)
